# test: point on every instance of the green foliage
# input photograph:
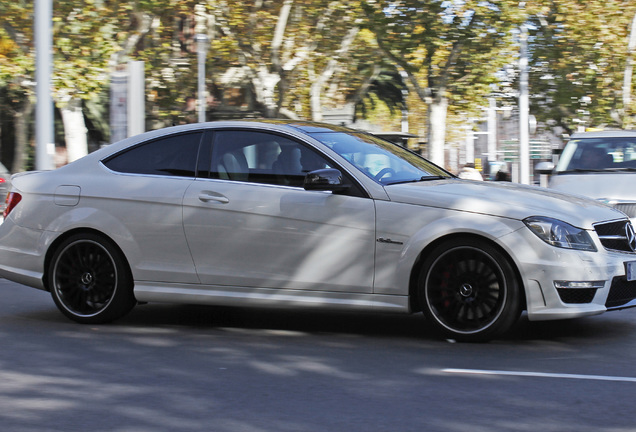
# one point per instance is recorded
(451, 49)
(387, 88)
(16, 54)
(253, 38)
(578, 54)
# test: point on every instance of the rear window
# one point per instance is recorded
(175, 155)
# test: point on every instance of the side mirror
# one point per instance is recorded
(544, 167)
(328, 179)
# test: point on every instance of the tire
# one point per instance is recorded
(469, 291)
(90, 280)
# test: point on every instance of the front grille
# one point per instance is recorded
(613, 235)
(576, 295)
(628, 208)
(621, 292)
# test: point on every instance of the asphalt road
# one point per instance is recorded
(187, 368)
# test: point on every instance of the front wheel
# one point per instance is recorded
(89, 280)
(469, 290)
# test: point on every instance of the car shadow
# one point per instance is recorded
(308, 321)
(608, 326)
(205, 318)
(611, 325)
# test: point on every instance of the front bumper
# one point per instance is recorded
(541, 265)
(622, 294)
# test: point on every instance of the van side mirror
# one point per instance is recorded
(545, 167)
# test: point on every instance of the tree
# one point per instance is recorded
(16, 74)
(161, 34)
(81, 46)
(385, 85)
(83, 34)
(629, 70)
(450, 51)
(288, 56)
(580, 65)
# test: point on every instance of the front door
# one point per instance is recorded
(252, 225)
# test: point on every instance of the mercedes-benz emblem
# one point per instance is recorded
(631, 236)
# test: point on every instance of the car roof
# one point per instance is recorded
(307, 126)
(298, 126)
(605, 134)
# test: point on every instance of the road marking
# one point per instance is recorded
(540, 375)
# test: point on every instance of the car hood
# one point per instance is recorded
(507, 200)
(599, 185)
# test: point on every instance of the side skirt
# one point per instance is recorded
(266, 297)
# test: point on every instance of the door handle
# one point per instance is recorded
(213, 196)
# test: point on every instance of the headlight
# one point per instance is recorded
(560, 234)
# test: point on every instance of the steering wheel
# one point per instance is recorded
(383, 172)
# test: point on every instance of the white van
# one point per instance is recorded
(600, 165)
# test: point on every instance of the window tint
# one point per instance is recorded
(593, 154)
(174, 155)
(260, 157)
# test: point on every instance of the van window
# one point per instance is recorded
(594, 154)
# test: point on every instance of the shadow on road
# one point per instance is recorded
(39, 308)
(608, 326)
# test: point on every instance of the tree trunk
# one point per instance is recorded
(315, 96)
(627, 80)
(327, 73)
(437, 111)
(21, 119)
(75, 131)
(265, 91)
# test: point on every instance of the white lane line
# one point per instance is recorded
(540, 375)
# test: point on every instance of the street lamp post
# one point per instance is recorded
(202, 50)
(524, 111)
(44, 132)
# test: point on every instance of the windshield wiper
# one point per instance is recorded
(619, 169)
(423, 178)
(597, 170)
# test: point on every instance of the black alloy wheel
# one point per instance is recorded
(90, 281)
(469, 291)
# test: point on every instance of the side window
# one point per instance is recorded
(175, 155)
(260, 157)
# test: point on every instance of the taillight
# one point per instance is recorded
(13, 198)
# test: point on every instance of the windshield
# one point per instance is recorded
(598, 154)
(385, 162)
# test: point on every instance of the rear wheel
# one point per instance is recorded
(469, 290)
(89, 280)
